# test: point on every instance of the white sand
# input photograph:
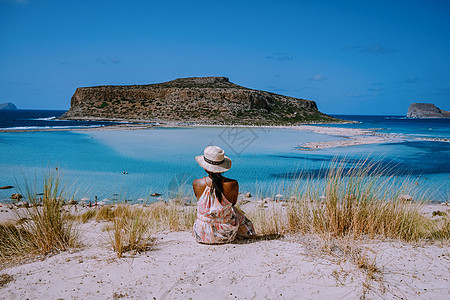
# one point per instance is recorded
(350, 137)
(179, 268)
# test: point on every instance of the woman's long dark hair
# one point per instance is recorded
(217, 184)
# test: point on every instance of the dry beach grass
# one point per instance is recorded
(42, 227)
(339, 229)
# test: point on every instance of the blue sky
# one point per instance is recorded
(351, 57)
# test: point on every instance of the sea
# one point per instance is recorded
(132, 165)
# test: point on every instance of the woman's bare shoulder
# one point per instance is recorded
(199, 182)
(228, 182)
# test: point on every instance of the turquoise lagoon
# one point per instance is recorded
(161, 160)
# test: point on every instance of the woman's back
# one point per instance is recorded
(230, 188)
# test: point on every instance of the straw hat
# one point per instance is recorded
(214, 160)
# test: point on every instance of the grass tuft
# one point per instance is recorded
(360, 201)
(14, 240)
(5, 279)
(268, 220)
(171, 217)
(440, 230)
(44, 225)
(104, 213)
(87, 215)
(130, 230)
(132, 226)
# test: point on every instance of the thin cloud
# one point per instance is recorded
(375, 89)
(114, 60)
(101, 61)
(411, 80)
(279, 57)
(376, 49)
(318, 77)
(107, 60)
(370, 49)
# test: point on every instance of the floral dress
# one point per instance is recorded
(217, 223)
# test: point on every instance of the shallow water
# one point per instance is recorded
(162, 159)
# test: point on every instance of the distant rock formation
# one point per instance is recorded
(426, 110)
(202, 100)
(7, 106)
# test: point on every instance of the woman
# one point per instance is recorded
(218, 220)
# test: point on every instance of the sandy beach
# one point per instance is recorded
(287, 267)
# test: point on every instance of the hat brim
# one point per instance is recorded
(225, 166)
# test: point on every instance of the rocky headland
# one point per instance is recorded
(7, 106)
(426, 110)
(199, 100)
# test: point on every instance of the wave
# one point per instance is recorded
(59, 120)
(45, 119)
(49, 127)
(396, 118)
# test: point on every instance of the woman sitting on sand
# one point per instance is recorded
(218, 220)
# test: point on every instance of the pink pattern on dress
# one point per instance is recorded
(217, 223)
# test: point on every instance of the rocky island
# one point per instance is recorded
(7, 106)
(426, 110)
(200, 100)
